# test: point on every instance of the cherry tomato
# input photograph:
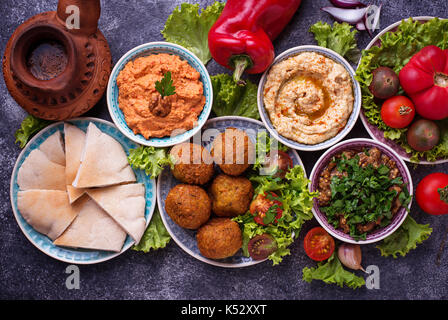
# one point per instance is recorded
(280, 162)
(318, 244)
(266, 208)
(398, 112)
(432, 193)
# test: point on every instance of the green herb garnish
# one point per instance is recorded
(165, 86)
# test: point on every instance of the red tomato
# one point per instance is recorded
(318, 244)
(266, 208)
(398, 112)
(432, 193)
(425, 80)
(280, 162)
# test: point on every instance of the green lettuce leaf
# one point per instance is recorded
(29, 127)
(265, 143)
(188, 27)
(405, 238)
(232, 99)
(151, 160)
(396, 50)
(155, 237)
(340, 38)
(297, 202)
(332, 272)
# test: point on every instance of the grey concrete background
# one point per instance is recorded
(170, 273)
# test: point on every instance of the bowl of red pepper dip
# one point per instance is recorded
(309, 98)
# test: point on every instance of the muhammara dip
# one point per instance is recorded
(309, 97)
(144, 109)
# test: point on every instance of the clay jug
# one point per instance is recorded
(57, 64)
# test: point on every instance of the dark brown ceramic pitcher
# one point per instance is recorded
(57, 64)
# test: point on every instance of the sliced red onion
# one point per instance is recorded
(348, 4)
(361, 26)
(351, 16)
(371, 25)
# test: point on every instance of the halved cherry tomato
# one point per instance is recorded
(398, 112)
(266, 208)
(319, 245)
(279, 162)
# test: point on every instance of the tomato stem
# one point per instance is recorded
(443, 192)
(404, 110)
(441, 80)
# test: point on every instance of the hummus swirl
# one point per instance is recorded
(308, 97)
(145, 111)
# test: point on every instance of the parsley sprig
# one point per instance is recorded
(165, 86)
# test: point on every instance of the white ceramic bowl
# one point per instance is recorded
(146, 50)
(323, 161)
(351, 120)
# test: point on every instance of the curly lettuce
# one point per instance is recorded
(395, 51)
(150, 159)
(341, 37)
(155, 237)
(332, 272)
(232, 99)
(297, 202)
(28, 128)
(405, 238)
(188, 26)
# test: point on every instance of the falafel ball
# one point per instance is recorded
(233, 151)
(219, 238)
(193, 164)
(189, 206)
(231, 196)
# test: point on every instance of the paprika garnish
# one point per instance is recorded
(241, 39)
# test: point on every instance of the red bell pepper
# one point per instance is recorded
(241, 39)
(425, 80)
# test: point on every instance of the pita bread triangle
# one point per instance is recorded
(38, 172)
(125, 204)
(47, 211)
(103, 162)
(74, 144)
(53, 148)
(92, 229)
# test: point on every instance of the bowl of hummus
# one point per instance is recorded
(159, 94)
(309, 98)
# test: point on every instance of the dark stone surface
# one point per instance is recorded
(170, 273)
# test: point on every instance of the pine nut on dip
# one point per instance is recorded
(160, 94)
(308, 97)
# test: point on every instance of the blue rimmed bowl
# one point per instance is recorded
(351, 120)
(42, 242)
(146, 50)
(354, 144)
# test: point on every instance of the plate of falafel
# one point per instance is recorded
(204, 195)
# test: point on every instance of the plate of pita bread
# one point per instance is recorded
(74, 194)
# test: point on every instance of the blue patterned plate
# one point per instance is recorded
(146, 50)
(42, 242)
(185, 238)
